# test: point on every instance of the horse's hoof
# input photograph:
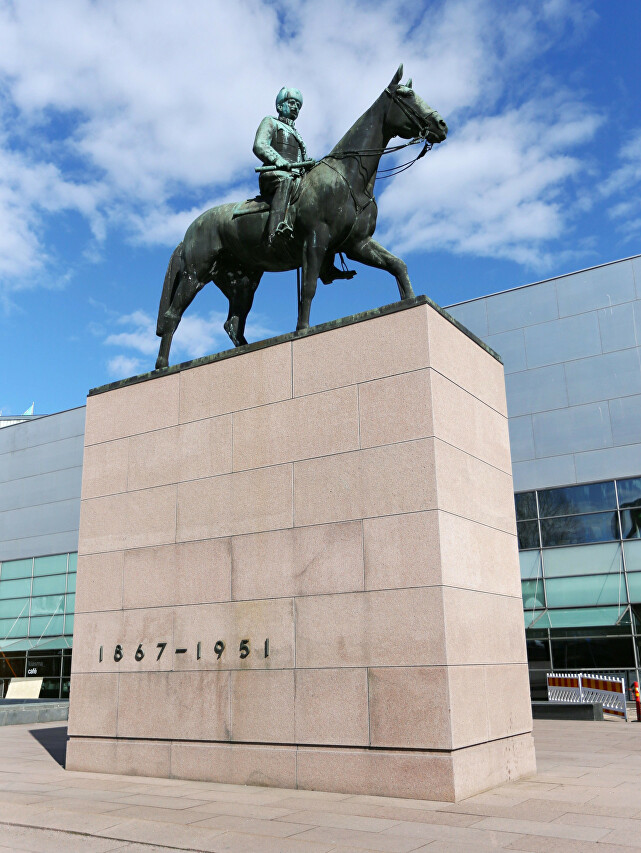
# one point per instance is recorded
(161, 363)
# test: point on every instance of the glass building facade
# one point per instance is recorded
(37, 597)
(571, 348)
(40, 482)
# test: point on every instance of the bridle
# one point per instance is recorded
(420, 123)
(413, 115)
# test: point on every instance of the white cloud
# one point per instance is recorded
(494, 188)
(136, 113)
(623, 185)
(196, 336)
(122, 366)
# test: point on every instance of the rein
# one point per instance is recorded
(401, 167)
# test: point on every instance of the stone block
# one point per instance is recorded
(360, 352)
(186, 573)
(402, 550)
(298, 561)
(380, 628)
(99, 584)
(409, 707)
(121, 757)
(104, 470)
(142, 407)
(94, 710)
(153, 704)
(262, 706)
(396, 478)
(471, 488)
(232, 622)
(130, 520)
(397, 408)
(236, 764)
(246, 502)
(232, 384)
(331, 707)
(186, 452)
(381, 772)
(464, 421)
(471, 620)
(464, 362)
(475, 556)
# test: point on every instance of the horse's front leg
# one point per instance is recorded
(314, 252)
(372, 254)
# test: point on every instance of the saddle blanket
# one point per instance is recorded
(252, 205)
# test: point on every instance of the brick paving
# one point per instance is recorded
(586, 797)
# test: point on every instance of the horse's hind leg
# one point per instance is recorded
(239, 287)
(188, 286)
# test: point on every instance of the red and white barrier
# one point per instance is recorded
(582, 688)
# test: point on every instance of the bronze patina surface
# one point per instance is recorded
(313, 214)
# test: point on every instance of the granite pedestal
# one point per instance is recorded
(298, 567)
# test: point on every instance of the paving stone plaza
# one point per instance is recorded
(585, 797)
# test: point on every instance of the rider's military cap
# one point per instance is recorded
(286, 93)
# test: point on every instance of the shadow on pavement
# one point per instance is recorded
(54, 740)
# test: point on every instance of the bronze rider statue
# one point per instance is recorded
(278, 143)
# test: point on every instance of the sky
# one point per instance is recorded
(122, 120)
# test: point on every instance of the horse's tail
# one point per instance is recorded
(174, 270)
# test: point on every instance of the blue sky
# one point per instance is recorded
(120, 121)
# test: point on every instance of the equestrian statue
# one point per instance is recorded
(307, 212)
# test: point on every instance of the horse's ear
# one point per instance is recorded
(396, 79)
(409, 83)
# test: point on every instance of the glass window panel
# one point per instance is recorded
(576, 499)
(632, 553)
(525, 503)
(585, 616)
(634, 586)
(14, 589)
(629, 491)
(13, 607)
(43, 665)
(592, 653)
(582, 560)
(69, 624)
(56, 565)
(45, 605)
(536, 618)
(12, 665)
(631, 523)
(16, 569)
(50, 688)
(528, 533)
(10, 629)
(73, 562)
(70, 604)
(579, 529)
(66, 666)
(538, 651)
(579, 592)
(71, 582)
(49, 585)
(64, 688)
(46, 626)
(532, 592)
(530, 564)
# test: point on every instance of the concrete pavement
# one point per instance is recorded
(586, 797)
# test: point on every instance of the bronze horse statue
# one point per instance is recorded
(332, 210)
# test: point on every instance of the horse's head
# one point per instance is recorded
(409, 115)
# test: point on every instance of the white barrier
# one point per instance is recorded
(582, 688)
